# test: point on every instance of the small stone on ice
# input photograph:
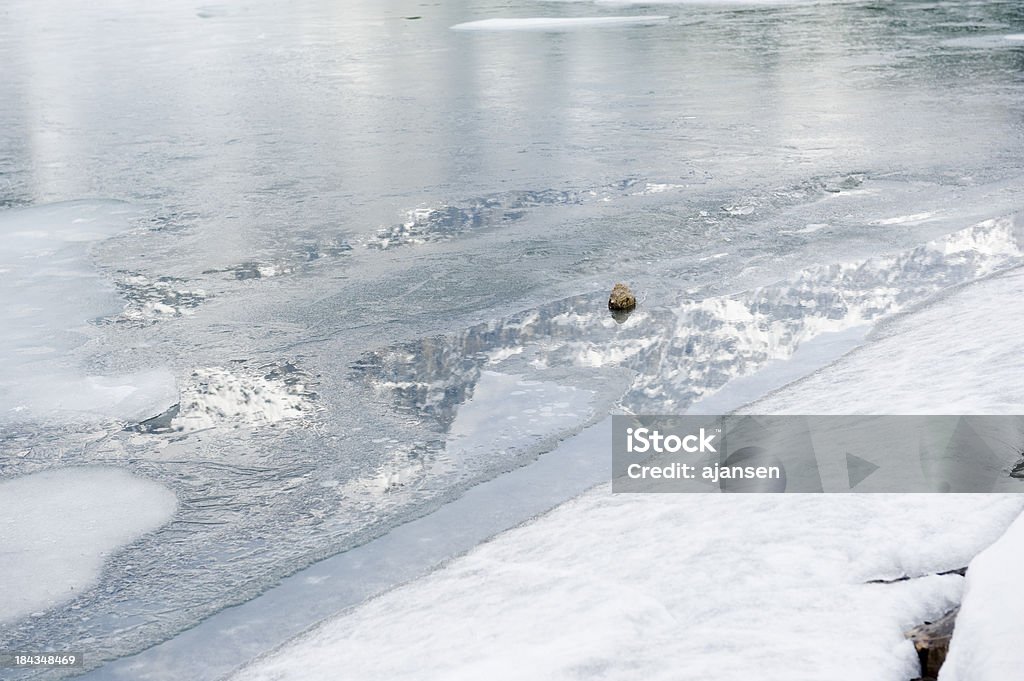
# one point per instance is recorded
(621, 298)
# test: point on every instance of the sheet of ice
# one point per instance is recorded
(669, 587)
(986, 643)
(962, 355)
(57, 528)
(556, 23)
(49, 292)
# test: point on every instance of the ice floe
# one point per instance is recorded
(57, 528)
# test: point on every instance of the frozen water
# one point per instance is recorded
(58, 527)
(415, 216)
(49, 294)
(986, 640)
(556, 23)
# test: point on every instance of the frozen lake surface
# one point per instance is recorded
(346, 263)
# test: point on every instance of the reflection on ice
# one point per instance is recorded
(685, 352)
(503, 414)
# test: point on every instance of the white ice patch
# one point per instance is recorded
(57, 528)
(49, 292)
(914, 219)
(657, 188)
(556, 23)
(986, 643)
(724, 587)
(986, 41)
(215, 397)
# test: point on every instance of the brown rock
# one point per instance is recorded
(622, 298)
(931, 640)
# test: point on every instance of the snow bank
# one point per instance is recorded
(49, 292)
(669, 587)
(57, 527)
(986, 644)
(556, 23)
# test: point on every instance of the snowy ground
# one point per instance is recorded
(669, 587)
(986, 642)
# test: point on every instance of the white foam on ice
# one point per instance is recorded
(49, 292)
(986, 644)
(58, 527)
(668, 587)
(556, 23)
(216, 397)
